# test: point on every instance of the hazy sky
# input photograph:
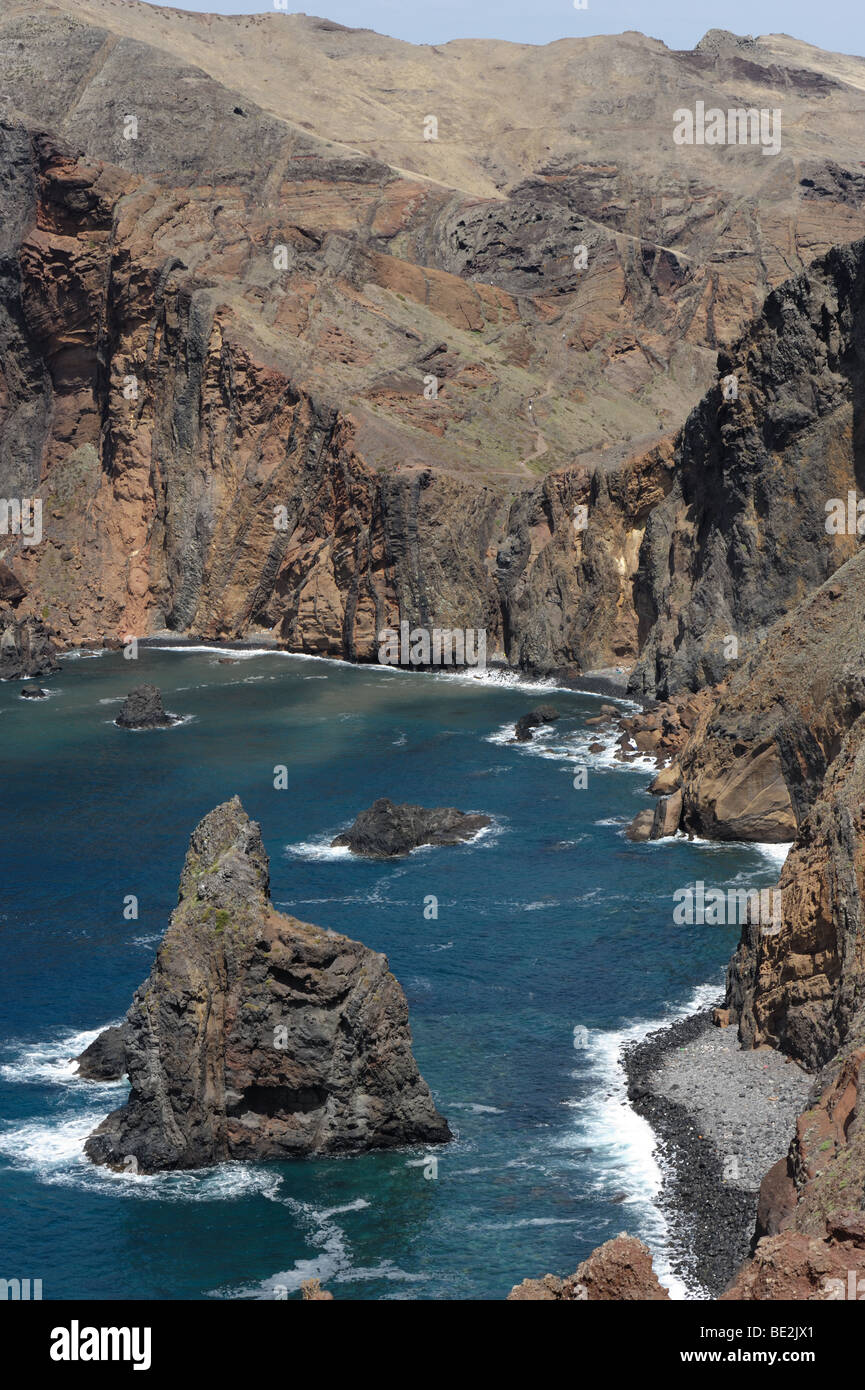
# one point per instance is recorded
(833, 24)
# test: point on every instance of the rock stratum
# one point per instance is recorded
(257, 1036)
(276, 363)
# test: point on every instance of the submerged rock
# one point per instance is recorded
(143, 709)
(387, 829)
(105, 1058)
(544, 714)
(258, 1036)
(33, 692)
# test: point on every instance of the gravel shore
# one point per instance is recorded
(722, 1117)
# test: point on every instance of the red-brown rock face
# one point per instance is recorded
(619, 1270)
(270, 382)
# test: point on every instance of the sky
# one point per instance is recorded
(832, 24)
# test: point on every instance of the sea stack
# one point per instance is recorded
(257, 1036)
(143, 709)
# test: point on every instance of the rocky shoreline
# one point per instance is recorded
(721, 1116)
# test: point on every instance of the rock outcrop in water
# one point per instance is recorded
(387, 830)
(105, 1058)
(257, 1036)
(143, 709)
(26, 648)
(527, 723)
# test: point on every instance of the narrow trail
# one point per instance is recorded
(541, 446)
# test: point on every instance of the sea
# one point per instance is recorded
(528, 956)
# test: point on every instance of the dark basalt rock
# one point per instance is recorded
(11, 589)
(26, 648)
(388, 829)
(105, 1058)
(257, 1036)
(33, 692)
(544, 714)
(143, 709)
(708, 569)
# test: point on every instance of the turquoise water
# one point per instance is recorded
(549, 922)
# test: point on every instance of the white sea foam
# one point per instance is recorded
(334, 1264)
(319, 848)
(622, 1142)
(776, 854)
(547, 741)
(53, 1060)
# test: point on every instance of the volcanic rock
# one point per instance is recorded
(438, 263)
(257, 1036)
(143, 709)
(743, 534)
(797, 1268)
(311, 1291)
(387, 829)
(12, 591)
(544, 714)
(619, 1270)
(26, 648)
(105, 1058)
(641, 826)
(666, 818)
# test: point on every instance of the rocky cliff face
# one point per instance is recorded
(757, 759)
(257, 1036)
(800, 988)
(26, 648)
(742, 536)
(268, 381)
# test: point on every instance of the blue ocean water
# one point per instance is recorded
(549, 922)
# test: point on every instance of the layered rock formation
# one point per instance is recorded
(257, 1036)
(387, 830)
(800, 988)
(273, 369)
